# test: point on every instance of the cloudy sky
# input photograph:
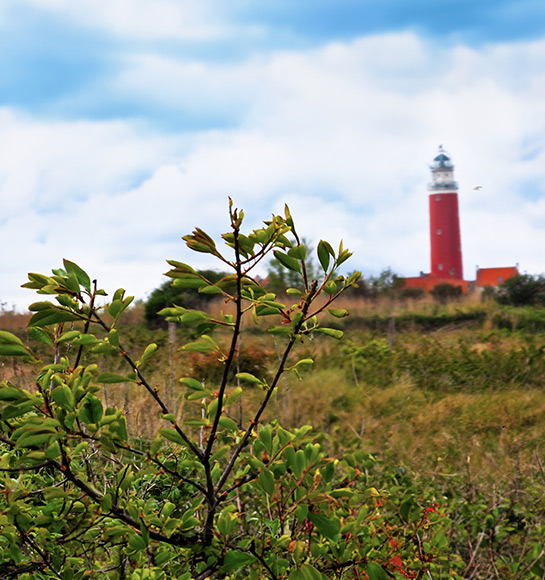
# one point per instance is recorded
(124, 124)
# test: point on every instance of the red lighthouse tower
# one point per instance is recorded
(446, 246)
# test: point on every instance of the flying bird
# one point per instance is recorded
(477, 187)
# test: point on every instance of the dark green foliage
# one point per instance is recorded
(522, 290)
(445, 292)
(386, 284)
(168, 295)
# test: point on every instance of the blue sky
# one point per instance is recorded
(126, 123)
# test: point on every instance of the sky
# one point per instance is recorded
(125, 124)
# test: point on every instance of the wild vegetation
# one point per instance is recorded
(246, 441)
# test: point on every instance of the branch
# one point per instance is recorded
(264, 403)
(164, 409)
(232, 349)
(118, 513)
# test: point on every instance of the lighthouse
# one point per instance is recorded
(445, 239)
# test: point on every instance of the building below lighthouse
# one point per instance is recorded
(445, 236)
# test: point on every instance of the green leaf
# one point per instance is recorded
(63, 396)
(281, 330)
(81, 276)
(327, 526)
(111, 378)
(309, 572)
(266, 481)
(53, 315)
(40, 335)
(8, 393)
(330, 332)
(8, 338)
(70, 335)
(298, 252)
(192, 316)
(249, 378)
(376, 572)
(150, 350)
(228, 424)
(330, 288)
(91, 410)
(180, 267)
(13, 350)
(324, 253)
(32, 439)
(338, 312)
(287, 261)
(212, 289)
(172, 435)
(137, 542)
(196, 422)
(204, 344)
(304, 362)
(192, 384)
(234, 560)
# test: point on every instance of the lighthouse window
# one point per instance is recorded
(439, 232)
(440, 267)
(437, 197)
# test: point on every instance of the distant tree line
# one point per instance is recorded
(520, 290)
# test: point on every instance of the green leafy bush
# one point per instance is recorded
(82, 497)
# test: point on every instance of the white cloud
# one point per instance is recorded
(343, 134)
(148, 19)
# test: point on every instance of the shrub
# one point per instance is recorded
(522, 290)
(206, 497)
(445, 292)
